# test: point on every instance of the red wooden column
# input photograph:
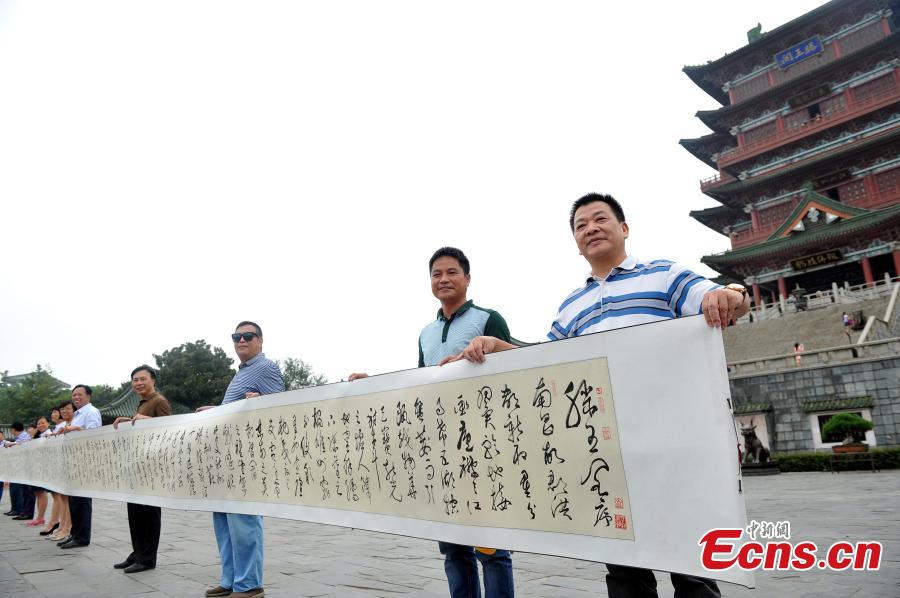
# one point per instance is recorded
(782, 287)
(754, 219)
(757, 296)
(897, 262)
(867, 271)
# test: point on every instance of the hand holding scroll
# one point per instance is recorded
(478, 348)
(721, 306)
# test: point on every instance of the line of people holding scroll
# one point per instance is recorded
(621, 290)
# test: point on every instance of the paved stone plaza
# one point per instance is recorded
(304, 559)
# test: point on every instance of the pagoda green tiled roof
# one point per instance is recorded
(709, 216)
(803, 206)
(697, 146)
(838, 404)
(752, 408)
(126, 404)
(791, 243)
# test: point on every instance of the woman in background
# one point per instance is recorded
(66, 413)
(40, 494)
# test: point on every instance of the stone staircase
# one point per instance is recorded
(816, 329)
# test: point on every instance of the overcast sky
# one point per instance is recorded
(169, 168)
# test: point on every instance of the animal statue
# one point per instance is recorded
(754, 451)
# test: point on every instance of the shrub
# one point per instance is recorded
(788, 462)
(844, 426)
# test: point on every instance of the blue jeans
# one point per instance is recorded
(240, 540)
(462, 572)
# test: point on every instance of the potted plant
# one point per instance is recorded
(850, 429)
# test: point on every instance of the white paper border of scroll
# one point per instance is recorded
(670, 390)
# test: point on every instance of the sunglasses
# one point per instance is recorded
(247, 336)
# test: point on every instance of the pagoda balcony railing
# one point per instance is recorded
(839, 295)
(809, 127)
(750, 236)
(715, 181)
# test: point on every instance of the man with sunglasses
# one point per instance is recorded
(240, 537)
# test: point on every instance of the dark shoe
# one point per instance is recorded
(21, 517)
(254, 593)
(64, 540)
(50, 531)
(218, 591)
(123, 564)
(137, 568)
(11, 513)
(74, 544)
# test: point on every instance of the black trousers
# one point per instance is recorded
(27, 500)
(144, 523)
(81, 509)
(633, 582)
(15, 497)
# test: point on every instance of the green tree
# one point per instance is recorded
(29, 398)
(105, 394)
(194, 374)
(299, 374)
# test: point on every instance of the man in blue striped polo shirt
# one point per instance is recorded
(623, 290)
(240, 537)
(458, 321)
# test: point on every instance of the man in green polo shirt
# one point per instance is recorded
(458, 321)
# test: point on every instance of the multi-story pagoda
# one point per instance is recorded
(807, 148)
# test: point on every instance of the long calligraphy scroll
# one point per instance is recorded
(615, 447)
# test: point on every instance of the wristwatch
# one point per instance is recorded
(739, 288)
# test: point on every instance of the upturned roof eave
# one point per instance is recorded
(702, 70)
(707, 216)
(699, 79)
(697, 148)
(711, 117)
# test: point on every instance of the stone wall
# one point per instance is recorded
(787, 391)
(885, 325)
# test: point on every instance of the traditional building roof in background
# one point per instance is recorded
(816, 163)
(825, 205)
(704, 147)
(838, 404)
(716, 218)
(752, 408)
(769, 43)
(20, 378)
(792, 244)
(126, 404)
(719, 118)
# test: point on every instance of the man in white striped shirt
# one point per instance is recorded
(624, 291)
